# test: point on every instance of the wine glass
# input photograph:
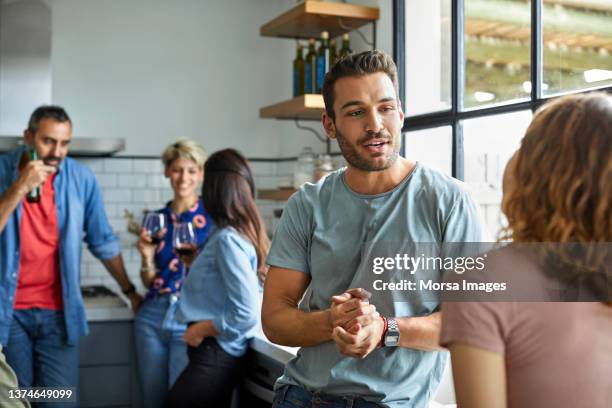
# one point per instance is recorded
(184, 239)
(155, 226)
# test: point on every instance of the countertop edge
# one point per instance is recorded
(281, 354)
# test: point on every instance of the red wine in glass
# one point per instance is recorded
(184, 239)
(185, 251)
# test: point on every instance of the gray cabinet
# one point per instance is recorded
(107, 369)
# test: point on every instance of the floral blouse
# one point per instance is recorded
(172, 271)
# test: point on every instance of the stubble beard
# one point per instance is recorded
(352, 156)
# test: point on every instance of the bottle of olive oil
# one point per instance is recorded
(310, 68)
(346, 46)
(332, 53)
(322, 60)
(298, 72)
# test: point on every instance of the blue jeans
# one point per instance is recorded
(291, 396)
(161, 353)
(38, 352)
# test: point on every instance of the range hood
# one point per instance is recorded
(25, 75)
(79, 147)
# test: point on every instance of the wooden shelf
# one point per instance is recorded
(281, 194)
(309, 106)
(310, 18)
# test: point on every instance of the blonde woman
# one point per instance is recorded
(160, 350)
(557, 189)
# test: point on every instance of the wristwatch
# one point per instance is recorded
(392, 334)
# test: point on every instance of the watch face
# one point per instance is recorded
(393, 334)
(392, 339)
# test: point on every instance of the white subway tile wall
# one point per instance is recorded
(96, 165)
(148, 166)
(131, 180)
(134, 185)
(120, 166)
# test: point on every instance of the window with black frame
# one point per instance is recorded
(468, 68)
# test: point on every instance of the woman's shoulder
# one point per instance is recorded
(230, 236)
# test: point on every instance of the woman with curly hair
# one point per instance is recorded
(557, 196)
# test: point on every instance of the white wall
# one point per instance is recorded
(154, 70)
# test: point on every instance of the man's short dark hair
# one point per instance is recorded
(57, 113)
(363, 63)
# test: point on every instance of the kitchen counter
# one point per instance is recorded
(281, 354)
(104, 305)
(107, 309)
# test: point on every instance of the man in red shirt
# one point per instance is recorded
(41, 309)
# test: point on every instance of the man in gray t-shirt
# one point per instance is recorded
(378, 349)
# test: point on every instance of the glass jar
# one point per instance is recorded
(304, 169)
(324, 166)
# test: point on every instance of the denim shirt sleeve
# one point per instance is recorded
(99, 236)
(240, 279)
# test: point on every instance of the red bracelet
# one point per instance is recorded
(382, 337)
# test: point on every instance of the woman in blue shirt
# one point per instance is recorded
(220, 299)
(160, 349)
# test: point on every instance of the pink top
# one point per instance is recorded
(557, 354)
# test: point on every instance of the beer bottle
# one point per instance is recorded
(298, 72)
(310, 79)
(322, 60)
(346, 46)
(33, 196)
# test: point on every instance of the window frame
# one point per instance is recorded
(454, 116)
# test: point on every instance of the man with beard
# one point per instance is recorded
(358, 349)
(41, 308)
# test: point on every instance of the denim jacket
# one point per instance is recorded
(81, 216)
